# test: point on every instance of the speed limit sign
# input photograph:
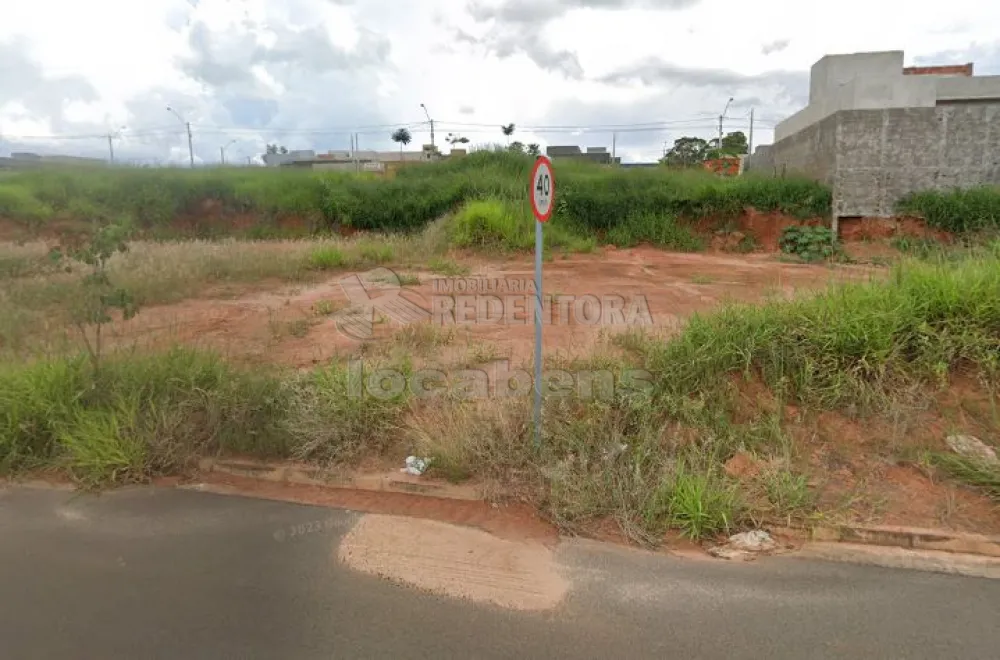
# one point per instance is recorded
(543, 189)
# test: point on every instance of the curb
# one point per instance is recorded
(934, 561)
(910, 538)
(901, 547)
(314, 476)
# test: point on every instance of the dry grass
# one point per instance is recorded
(37, 297)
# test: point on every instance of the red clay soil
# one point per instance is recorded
(258, 327)
(867, 229)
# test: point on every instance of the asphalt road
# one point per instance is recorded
(149, 573)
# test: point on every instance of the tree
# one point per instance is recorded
(534, 149)
(687, 151)
(516, 146)
(454, 139)
(734, 144)
(98, 295)
(402, 136)
(276, 149)
(508, 130)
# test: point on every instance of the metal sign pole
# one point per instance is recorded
(538, 333)
(543, 193)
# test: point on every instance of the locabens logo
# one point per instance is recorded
(378, 295)
(383, 296)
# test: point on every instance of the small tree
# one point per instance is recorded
(403, 137)
(507, 130)
(534, 149)
(454, 139)
(98, 295)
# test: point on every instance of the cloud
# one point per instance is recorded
(985, 56)
(775, 46)
(466, 110)
(791, 86)
(25, 81)
(516, 27)
(540, 11)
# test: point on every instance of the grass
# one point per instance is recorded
(142, 416)
(36, 296)
(959, 211)
(850, 343)
(448, 267)
(970, 471)
(209, 203)
(659, 229)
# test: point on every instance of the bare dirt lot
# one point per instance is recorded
(298, 326)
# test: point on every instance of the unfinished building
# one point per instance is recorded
(874, 131)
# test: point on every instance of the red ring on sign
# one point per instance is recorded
(543, 160)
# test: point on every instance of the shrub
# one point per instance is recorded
(327, 257)
(808, 243)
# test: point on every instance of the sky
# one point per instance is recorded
(307, 74)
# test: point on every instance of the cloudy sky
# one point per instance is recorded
(308, 73)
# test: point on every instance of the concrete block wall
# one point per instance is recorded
(873, 158)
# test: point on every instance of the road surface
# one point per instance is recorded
(165, 573)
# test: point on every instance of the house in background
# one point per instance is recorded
(354, 161)
(875, 131)
(592, 154)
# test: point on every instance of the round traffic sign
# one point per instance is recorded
(543, 189)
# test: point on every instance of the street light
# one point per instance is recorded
(721, 118)
(222, 150)
(431, 121)
(187, 125)
(111, 145)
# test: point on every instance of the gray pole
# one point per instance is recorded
(111, 148)
(750, 140)
(222, 155)
(538, 333)
(190, 145)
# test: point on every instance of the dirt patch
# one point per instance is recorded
(296, 326)
(868, 229)
(455, 561)
(764, 228)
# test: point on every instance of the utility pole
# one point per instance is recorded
(111, 148)
(721, 118)
(614, 145)
(750, 141)
(187, 126)
(431, 121)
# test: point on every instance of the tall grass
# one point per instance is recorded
(141, 416)
(851, 342)
(959, 210)
(167, 202)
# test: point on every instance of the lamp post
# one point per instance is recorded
(111, 144)
(187, 126)
(222, 150)
(721, 118)
(431, 121)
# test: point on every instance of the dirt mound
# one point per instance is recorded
(868, 229)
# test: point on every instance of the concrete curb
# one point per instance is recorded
(910, 538)
(935, 561)
(396, 482)
(916, 548)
